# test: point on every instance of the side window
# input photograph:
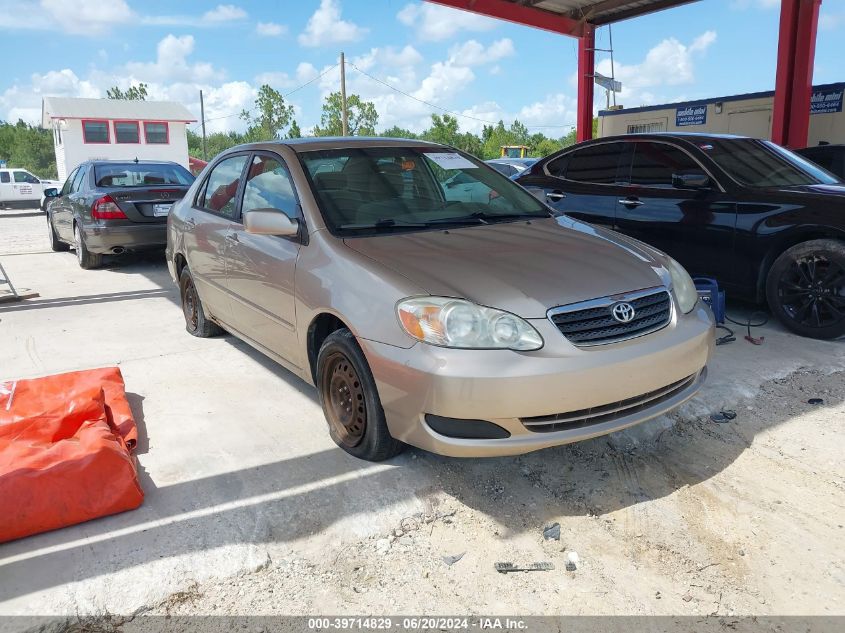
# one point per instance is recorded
(26, 177)
(4, 177)
(221, 188)
(268, 185)
(77, 182)
(595, 163)
(557, 167)
(654, 164)
(66, 188)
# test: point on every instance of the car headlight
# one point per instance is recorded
(457, 323)
(682, 286)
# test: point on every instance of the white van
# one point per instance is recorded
(19, 189)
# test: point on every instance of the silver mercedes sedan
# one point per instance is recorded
(467, 327)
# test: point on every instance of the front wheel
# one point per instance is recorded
(805, 288)
(350, 400)
(55, 243)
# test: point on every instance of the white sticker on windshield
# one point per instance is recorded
(450, 160)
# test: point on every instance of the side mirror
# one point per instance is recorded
(270, 222)
(51, 192)
(696, 180)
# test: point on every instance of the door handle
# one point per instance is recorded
(232, 237)
(190, 221)
(631, 202)
(555, 196)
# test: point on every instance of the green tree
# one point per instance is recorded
(444, 129)
(133, 93)
(270, 116)
(29, 147)
(362, 117)
(294, 131)
(398, 132)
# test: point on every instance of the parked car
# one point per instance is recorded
(511, 167)
(466, 328)
(19, 189)
(830, 157)
(765, 222)
(111, 207)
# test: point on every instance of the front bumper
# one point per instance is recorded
(503, 386)
(130, 237)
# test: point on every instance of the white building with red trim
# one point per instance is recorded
(115, 129)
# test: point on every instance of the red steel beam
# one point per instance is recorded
(520, 14)
(794, 80)
(586, 78)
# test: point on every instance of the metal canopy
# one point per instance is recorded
(569, 17)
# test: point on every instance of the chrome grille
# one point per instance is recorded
(592, 322)
(606, 412)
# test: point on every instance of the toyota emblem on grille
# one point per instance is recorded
(623, 312)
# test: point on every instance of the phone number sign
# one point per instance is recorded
(826, 101)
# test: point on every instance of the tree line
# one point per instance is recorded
(271, 118)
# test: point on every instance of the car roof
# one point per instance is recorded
(129, 160)
(337, 142)
(690, 136)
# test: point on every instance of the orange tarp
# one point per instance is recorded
(66, 446)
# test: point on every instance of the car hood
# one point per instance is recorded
(524, 268)
(821, 190)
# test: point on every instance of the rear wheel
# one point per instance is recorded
(86, 259)
(350, 400)
(195, 320)
(805, 288)
(55, 243)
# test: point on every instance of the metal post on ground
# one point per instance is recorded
(586, 75)
(202, 116)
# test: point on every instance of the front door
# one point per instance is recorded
(209, 220)
(695, 226)
(261, 268)
(26, 188)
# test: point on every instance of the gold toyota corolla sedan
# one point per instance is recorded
(431, 300)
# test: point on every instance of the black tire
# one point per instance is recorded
(55, 243)
(350, 400)
(805, 288)
(196, 322)
(87, 260)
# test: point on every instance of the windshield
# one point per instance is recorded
(758, 163)
(369, 190)
(140, 175)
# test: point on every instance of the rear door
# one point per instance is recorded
(6, 191)
(208, 222)
(260, 269)
(60, 212)
(583, 183)
(695, 226)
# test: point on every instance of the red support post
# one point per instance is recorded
(586, 79)
(794, 82)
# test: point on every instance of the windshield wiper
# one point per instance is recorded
(483, 217)
(384, 223)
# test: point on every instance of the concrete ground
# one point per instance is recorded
(250, 508)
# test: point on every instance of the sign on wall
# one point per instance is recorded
(690, 115)
(826, 101)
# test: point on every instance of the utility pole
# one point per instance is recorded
(202, 116)
(344, 112)
(612, 70)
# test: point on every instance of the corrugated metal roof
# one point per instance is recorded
(73, 108)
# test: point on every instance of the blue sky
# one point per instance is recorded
(483, 69)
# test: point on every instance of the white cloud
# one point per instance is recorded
(434, 22)
(831, 21)
(669, 63)
(326, 27)
(223, 13)
(172, 63)
(270, 29)
(305, 72)
(389, 57)
(82, 17)
(472, 53)
(759, 4)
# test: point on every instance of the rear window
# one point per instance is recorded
(140, 175)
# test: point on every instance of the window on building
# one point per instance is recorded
(646, 128)
(156, 133)
(127, 132)
(655, 163)
(95, 131)
(595, 163)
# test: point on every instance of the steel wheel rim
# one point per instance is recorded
(343, 395)
(812, 291)
(190, 304)
(77, 235)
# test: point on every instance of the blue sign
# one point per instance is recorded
(826, 101)
(690, 115)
